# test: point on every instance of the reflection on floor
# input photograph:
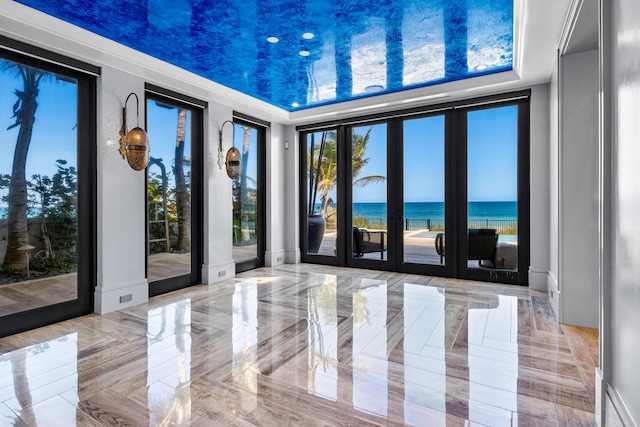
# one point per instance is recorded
(30, 294)
(308, 345)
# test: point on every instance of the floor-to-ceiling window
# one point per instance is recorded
(47, 188)
(442, 192)
(248, 193)
(174, 190)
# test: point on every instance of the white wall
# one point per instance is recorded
(578, 278)
(292, 202)
(121, 201)
(554, 212)
(539, 188)
(276, 195)
(621, 368)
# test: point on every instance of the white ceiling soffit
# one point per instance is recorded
(537, 29)
(580, 32)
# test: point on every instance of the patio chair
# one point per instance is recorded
(369, 241)
(481, 245)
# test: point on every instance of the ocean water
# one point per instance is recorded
(435, 210)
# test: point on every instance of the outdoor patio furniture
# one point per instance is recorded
(369, 241)
(440, 246)
(481, 245)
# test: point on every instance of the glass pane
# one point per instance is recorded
(369, 192)
(168, 192)
(245, 195)
(492, 196)
(322, 201)
(423, 221)
(38, 188)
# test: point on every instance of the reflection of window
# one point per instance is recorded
(169, 363)
(322, 356)
(370, 365)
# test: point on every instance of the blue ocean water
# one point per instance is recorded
(435, 210)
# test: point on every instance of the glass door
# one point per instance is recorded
(322, 204)
(248, 229)
(423, 194)
(494, 196)
(173, 195)
(373, 215)
(47, 190)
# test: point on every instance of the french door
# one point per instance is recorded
(174, 191)
(47, 188)
(249, 137)
(443, 193)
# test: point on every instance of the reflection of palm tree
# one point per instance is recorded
(183, 206)
(24, 111)
(327, 170)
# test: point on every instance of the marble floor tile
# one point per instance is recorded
(308, 345)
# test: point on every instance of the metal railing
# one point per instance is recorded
(502, 226)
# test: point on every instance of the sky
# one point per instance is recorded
(492, 158)
(492, 136)
(54, 131)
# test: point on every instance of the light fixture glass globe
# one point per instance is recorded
(137, 148)
(233, 163)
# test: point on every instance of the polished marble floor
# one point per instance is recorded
(308, 345)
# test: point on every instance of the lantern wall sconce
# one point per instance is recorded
(134, 144)
(232, 158)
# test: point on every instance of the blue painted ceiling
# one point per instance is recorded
(297, 54)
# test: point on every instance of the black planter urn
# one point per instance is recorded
(316, 224)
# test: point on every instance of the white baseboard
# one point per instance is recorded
(274, 258)
(292, 256)
(108, 299)
(538, 280)
(616, 412)
(218, 272)
(598, 397)
(553, 292)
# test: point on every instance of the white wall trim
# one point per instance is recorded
(211, 272)
(619, 412)
(599, 383)
(274, 258)
(107, 299)
(292, 256)
(538, 280)
(554, 293)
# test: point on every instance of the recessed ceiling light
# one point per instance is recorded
(373, 88)
(308, 35)
(295, 104)
(481, 67)
(304, 53)
(273, 39)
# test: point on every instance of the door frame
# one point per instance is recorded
(196, 108)
(86, 76)
(521, 276)
(261, 144)
(455, 178)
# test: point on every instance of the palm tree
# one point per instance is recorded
(183, 205)
(327, 173)
(24, 111)
(246, 145)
